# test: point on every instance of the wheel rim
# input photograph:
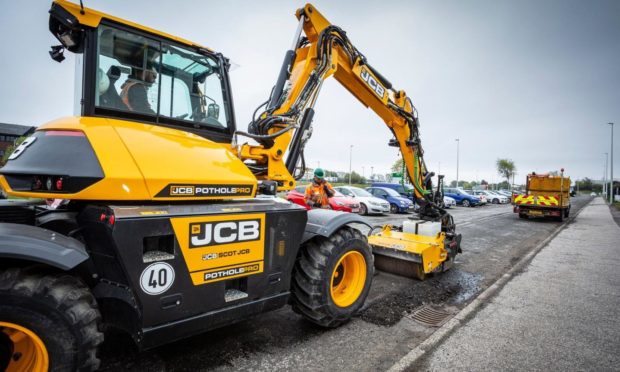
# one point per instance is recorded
(28, 350)
(348, 279)
(465, 203)
(393, 208)
(362, 209)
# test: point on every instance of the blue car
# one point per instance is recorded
(405, 191)
(398, 203)
(461, 197)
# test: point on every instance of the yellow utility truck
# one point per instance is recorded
(545, 196)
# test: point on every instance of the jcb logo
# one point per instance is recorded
(181, 190)
(226, 232)
(372, 83)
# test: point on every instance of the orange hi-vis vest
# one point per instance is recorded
(317, 193)
(125, 93)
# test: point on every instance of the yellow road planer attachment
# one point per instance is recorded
(414, 249)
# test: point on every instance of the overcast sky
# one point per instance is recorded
(532, 81)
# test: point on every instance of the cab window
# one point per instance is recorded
(157, 81)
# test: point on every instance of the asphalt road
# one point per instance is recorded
(494, 239)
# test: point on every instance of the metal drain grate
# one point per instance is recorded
(430, 316)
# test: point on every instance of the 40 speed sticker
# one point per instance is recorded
(157, 278)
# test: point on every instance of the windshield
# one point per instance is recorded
(391, 192)
(360, 192)
(152, 78)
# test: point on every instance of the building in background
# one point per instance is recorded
(10, 132)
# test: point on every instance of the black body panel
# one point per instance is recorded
(36, 244)
(324, 222)
(118, 251)
(70, 157)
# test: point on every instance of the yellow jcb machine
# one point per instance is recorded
(163, 223)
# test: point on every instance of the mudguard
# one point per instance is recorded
(324, 222)
(40, 245)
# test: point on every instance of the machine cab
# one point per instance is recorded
(131, 72)
(154, 119)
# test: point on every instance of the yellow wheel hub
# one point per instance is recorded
(348, 279)
(29, 352)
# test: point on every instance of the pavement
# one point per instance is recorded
(561, 312)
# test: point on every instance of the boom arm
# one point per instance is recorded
(326, 51)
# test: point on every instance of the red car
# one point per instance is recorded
(338, 202)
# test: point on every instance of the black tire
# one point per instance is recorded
(523, 216)
(567, 212)
(466, 203)
(561, 216)
(393, 208)
(363, 209)
(313, 274)
(59, 309)
(495, 201)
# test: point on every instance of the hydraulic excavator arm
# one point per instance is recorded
(284, 126)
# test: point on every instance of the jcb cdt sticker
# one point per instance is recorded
(213, 233)
(205, 190)
(222, 246)
(157, 278)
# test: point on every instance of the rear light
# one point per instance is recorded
(109, 218)
(49, 183)
(64, 133)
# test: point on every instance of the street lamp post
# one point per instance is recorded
(350, 161)
(605, 174)
(457, 161)
(611, 167)
(372, 169)
(363, 174)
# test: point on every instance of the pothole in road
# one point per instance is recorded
(453, 287)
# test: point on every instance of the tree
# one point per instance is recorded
(506, 168)
(484, 183)
(9, 150)
(397, 167)
(584, 184)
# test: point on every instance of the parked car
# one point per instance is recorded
(398, 203)
(507, 193)
(492, 197)
(338, 202)
(461, 197)
(481, 197)
(448, 202)
(508, 197)
(403, 190)
(368, 203)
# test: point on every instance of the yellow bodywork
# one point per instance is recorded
(428, 250)
(140, 160)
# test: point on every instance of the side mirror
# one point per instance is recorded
(213, 111)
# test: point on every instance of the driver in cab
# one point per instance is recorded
(134, 90)
(319, 191)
